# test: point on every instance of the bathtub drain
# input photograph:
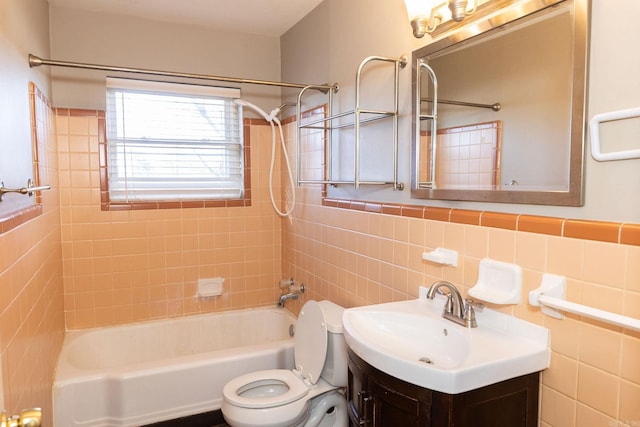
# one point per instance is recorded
(292, 330)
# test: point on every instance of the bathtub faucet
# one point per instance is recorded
(284, 297)
(294, 288)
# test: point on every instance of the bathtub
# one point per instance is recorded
(142, 373)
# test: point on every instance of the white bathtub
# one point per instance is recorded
(143, 373)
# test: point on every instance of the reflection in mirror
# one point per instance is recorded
(509, 111)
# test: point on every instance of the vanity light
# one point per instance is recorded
(425, 16)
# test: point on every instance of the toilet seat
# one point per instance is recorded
(296, 388)
(310, 351)
(310, 342)
(281, 397)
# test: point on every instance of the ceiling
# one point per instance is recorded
(266, 17)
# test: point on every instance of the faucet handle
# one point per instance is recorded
(448, 307)
(470, 313)
(471, 303)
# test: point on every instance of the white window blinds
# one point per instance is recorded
(173, 142)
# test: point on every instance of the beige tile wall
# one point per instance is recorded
(358, 257)
(468, 157)
(31, 314)
(133, 265)
(136, 265)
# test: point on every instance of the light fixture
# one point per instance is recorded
(425, 16)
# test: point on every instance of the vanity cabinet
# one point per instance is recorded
(378, 399)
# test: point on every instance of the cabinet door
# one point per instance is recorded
(512, 403)
(358, 400)
(377, 399)
(391, 407)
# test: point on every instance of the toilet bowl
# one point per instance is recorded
(310, 395)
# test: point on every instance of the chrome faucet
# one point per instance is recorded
(294, 288)
(287, 296)
(455, 309)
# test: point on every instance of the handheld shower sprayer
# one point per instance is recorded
(271, 118)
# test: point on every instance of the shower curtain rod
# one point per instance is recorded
(495, 107)
(35, 61)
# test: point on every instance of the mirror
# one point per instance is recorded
(509, 116)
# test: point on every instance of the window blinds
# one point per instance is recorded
(173, 142)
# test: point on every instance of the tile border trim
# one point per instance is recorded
(14, 219)
(603, 231)
(107, 205)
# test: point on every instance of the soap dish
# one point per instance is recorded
(498, 282)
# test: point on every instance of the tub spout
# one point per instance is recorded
(284, 297)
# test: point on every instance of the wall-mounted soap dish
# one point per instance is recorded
(498, 282)
(442, 256)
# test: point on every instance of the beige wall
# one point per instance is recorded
(24, 27)
(141, 43)
(360, 28)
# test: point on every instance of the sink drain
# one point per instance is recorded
(426, 360)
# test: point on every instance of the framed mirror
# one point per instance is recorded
(509, 110)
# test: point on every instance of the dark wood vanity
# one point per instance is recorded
(378, 399)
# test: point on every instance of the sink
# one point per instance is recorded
(410, 340)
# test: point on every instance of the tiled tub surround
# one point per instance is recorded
(129, 265)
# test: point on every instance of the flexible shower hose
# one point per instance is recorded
(271, 118)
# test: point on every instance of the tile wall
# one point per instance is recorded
(468, 156)
(123, 266)
(31, 314)
(356, 253)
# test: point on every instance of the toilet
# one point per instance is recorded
(312, 394)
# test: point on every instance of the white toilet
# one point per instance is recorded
(310, 395)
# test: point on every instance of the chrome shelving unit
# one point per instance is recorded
(360, 116)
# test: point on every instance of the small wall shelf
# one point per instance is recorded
(498, 282)
(442, 256)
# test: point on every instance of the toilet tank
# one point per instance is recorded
(335, 365)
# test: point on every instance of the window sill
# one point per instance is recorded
(106, 205)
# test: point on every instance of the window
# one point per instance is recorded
(173, 142)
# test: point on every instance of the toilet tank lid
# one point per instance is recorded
(332, 315)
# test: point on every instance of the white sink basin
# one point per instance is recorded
(410, 340)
